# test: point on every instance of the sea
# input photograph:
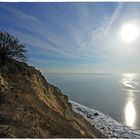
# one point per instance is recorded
(115, 95)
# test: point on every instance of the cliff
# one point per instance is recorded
(32, 108)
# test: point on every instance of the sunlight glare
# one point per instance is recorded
(129, 83)
(129, 32)
(130, 113)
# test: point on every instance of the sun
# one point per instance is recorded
(129, 32)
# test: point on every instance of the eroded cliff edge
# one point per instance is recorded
(32, 108)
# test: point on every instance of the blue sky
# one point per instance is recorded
(74, 37)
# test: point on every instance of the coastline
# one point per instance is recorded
(105, 124)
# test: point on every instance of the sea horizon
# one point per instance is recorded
(93, 73)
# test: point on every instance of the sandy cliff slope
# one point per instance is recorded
(31, 107)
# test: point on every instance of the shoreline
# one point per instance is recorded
(105, 124)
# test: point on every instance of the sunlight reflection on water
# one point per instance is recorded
(130, 114)
(128, 80)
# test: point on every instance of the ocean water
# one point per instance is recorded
(116, 95)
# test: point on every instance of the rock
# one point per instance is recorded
(90, 116)
(2, 83)
(96, 114)
(78, 109)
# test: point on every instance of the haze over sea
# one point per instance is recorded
(116, 95)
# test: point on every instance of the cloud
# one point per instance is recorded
(64, 37)
(107, 23)
(43, 37)
(114, 17)
(18, 13)
(40, 37)
(48, 41)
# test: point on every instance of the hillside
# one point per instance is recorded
(32, 108)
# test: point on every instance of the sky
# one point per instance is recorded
(74, 37)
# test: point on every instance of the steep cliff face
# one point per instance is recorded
(31, 107)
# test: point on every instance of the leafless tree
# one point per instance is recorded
(11, 48)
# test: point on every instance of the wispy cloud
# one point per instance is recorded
(107, 23)
(18, 13)
(114, 17)
(66, 35)
(48, 41)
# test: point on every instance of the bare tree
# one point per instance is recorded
(11, 48)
